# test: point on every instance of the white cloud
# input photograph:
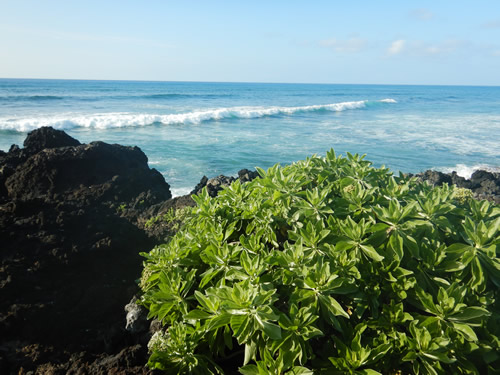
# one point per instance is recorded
(396, 47)
(351, 45)
(425, 49)
(421, 14)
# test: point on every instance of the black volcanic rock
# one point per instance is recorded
(70, 248)
(246, 175)
(479, 176)
(436, 178)
(216, 184)
(484, 184)
(47, 137)
(96, 171)
(14, 148)
(460, 181)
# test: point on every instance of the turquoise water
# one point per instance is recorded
(188, 130)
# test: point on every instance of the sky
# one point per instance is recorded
(360, 42)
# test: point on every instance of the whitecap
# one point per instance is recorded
(466, 171)
(121, 119)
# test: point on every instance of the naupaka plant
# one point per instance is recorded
(328, 266)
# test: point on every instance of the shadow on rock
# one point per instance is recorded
(69, 257)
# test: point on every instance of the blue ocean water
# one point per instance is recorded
(191, 129)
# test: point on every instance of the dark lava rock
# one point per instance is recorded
(484, 184)
(436, 178)
(97, 171)
(199, 187)
(246, 175)
(460, 181)
(14, 148)
(216, 184)
(71, 237)
(47, 137)
(480, 176)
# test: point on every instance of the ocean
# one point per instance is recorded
(191, 129)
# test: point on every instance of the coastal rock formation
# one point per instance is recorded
(484, 184)
(48, 137)
(216, 184)
(69, 254)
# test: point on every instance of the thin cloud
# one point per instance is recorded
(88, 37)
(445, 48)
(273, 35)
(81, 37)
(396, 47)
(424, 49)
(493, 24)
(351, 45)
(422, 14)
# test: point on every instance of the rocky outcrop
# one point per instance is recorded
(216, 184)
(69, 256)
(48, 137)
(484, 184)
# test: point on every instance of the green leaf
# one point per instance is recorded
(271, 330)
(242, 327)
(370, 252)
(470, 313)
(368, 372)
(249, 370)
(333, 306)
(250, 350)
(197, 315)
(466, 331)
(426, 301)
(218, 321)
(299, 370)
(396, 244)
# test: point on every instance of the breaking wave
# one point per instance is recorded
(466, 171)
(117, 120)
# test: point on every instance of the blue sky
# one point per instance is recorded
(382, 42)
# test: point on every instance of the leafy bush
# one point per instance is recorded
(329, 266)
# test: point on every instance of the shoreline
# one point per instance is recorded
(71, 244)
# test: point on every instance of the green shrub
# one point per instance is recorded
(329, 266)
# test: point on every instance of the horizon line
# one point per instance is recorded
(247, 82)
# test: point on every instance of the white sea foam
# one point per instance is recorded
(116, 120)
(466, 171)
(461, 134)
(177, 192)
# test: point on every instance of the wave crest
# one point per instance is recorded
(116, 120)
